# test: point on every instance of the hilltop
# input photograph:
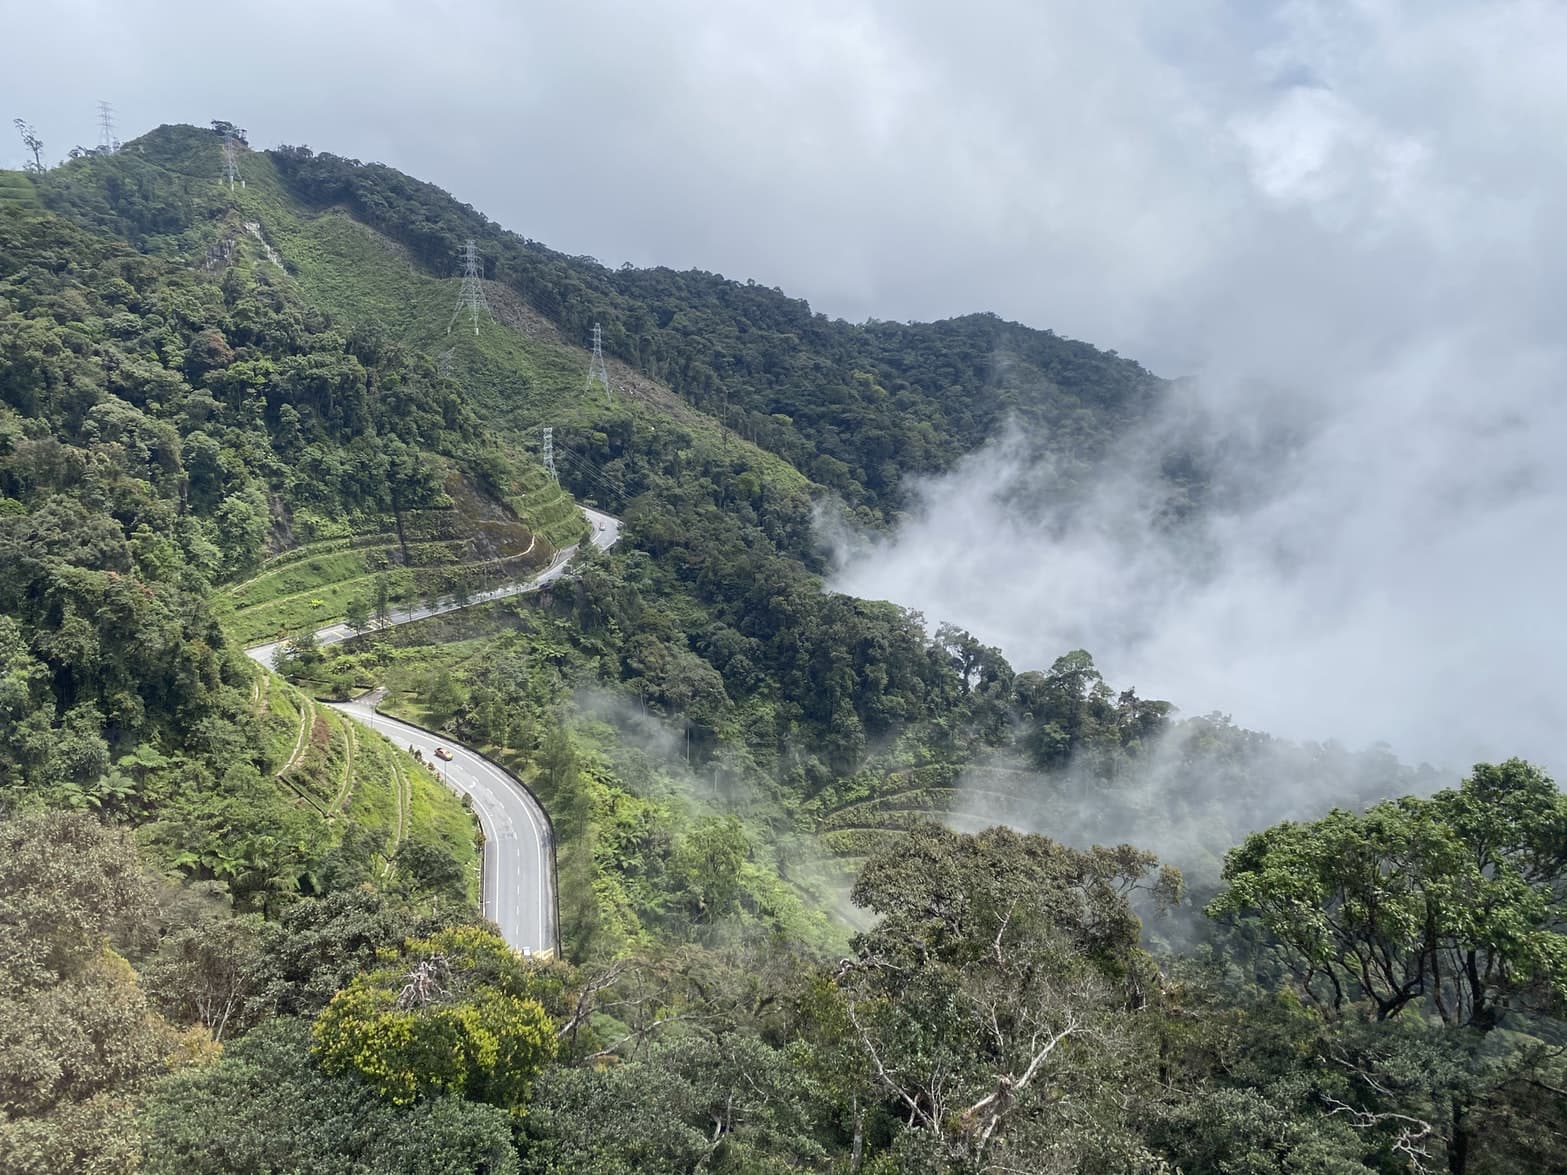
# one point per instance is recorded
(858, 408)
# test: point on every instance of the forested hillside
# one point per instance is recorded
(856, 408)
(792, 938)
(162, 431)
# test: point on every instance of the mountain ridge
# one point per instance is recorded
(856, 407)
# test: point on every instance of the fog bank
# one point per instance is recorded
(1394, 576)
(1370, 325)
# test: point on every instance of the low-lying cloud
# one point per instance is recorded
(1372, 332)
(1396, 574)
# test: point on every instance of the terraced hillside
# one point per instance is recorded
(355, 786)
(387, 560)
(17, 190)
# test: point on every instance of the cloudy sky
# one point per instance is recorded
(1354, 206)
(1091, 170)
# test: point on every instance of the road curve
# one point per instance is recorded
(519, 863)
(606, 533)
(519, 873)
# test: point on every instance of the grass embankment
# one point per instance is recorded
(17, 191)
(473, 545)
(351, 777)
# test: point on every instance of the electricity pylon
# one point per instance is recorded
(230, 160)
(596, 368)
(471, 296)
(549, 454)
(107, 143)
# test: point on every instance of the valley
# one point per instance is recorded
(381, 789)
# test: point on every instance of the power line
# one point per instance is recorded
(585, 468)
(471, 296)
(107, 143)
(230, 159)
(584, 465)
(596, 368)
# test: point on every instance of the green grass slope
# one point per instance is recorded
(17, 190)
(351, 783)
(518, 371)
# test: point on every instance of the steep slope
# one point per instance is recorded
(856, 408)
(161, 193)
(161, 429)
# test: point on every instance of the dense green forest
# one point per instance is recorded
(856, 408)
(239, 936)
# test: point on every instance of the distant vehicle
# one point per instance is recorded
(443, 753)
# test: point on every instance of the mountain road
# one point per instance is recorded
(519, 865)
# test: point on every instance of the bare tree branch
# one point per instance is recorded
(915, 1110)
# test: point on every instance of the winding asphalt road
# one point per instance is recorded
(519, 863)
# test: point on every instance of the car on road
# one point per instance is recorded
(443, 754)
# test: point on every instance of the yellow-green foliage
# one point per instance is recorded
(17, 191)
(456, 1013)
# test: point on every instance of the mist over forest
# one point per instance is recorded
(1371, 558)
(1051, 666)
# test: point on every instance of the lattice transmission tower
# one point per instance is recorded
(107, 143)
(596, 368)
(230, 160)
(549, 454)
(471, 296)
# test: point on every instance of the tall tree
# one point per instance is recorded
(32, 142)
(1449, 910)
(1003, 979)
